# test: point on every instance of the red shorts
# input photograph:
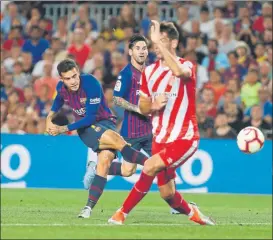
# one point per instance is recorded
(173, 154)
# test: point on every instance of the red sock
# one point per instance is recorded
(138, 192)
(178, 203)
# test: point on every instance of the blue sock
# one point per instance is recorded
(115, 169)
(95, 190)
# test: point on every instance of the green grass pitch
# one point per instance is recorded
(38, 214)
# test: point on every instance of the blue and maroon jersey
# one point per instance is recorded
(88, 103)
(127, 87)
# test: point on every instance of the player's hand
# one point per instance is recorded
(155, 31)
(56, 130)
(159, 102)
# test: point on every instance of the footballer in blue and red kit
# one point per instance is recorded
(94, 123)
(136, 129)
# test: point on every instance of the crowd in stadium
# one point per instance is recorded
(230, 43)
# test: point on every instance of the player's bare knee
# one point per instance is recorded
(150, 168)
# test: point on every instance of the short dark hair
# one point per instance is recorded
(137, 38)
(205, 9)
(214, 40)
(233, 53)
(170, 29)
(66, 65)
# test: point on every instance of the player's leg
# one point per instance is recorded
(125, 168)
(151, 167)
(96, 188)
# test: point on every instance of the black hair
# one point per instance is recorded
(214, 40)
(170, 29)
(35, 27)
(233, 53)
(136, 38)
(204, 8)
(66, 65)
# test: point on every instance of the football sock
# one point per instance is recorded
(133, 156)
(96, 190)
(178, 203)
(115, 169)
(138, 192)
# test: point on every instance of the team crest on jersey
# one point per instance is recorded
(118, 86)
(83, 100)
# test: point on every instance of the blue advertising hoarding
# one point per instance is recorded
(37, 161)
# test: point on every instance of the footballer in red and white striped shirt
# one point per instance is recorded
(168, 94)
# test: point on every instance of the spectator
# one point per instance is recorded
(236, 71)
(215, 60)
(20, 79)
(207, 97)
(12, 125)
(15, 38)
(36, 44)
(12, 17)
(202, 73)
(265, 74)
(234, 117)
(15, 53)
(42, 100)
(35, 17)
(126, 18)
(243, 52)
(222, 129)
(215, 83)
(41, 126)
(260, 53)
(267, 39)
(83, 20)
(30, 98)
(48, 56)
(13, 100)
(244, 22)
(152, 14)
(206, 25)
(227, 42)
(97, 61)
(249, 90)
(230, 9)
(47, 79)
(228, 97)
(78, 48)
(62, 32)
(256, 120)
(98, 74)
(266, 12)
(264, 103)
(205, 123)
(182, 14)
(3, 113)
(58, 50)
(27, 66)
(9, 88)
(254, 7)
(234, 86)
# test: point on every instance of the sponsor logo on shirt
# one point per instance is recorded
(94, 100)
(80, 111)
(82, 100)
(118, 85)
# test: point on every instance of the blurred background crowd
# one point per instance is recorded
(231, 43)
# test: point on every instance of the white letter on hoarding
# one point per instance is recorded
(206, 168)
(24, 161)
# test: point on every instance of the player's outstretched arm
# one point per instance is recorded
(121, 102)
(177, 68)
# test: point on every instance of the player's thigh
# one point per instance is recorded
(90, 136)
(134, 142)
(153, 165)
(178, 152)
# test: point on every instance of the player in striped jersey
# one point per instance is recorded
(168, 93)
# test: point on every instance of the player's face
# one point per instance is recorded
(167, 43)
(139, 52)
(71, 79)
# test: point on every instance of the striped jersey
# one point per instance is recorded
(88, 102)
(177, 120)
(127, 87)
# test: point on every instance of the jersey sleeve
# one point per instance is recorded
(93, 92)
(58, 101)
(144, 90)
(123, 84)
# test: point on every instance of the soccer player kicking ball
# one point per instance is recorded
(168, 84)
(95, 125)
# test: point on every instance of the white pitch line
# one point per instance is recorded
(106, 224)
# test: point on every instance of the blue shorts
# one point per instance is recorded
(91, 135)
(144, 143)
